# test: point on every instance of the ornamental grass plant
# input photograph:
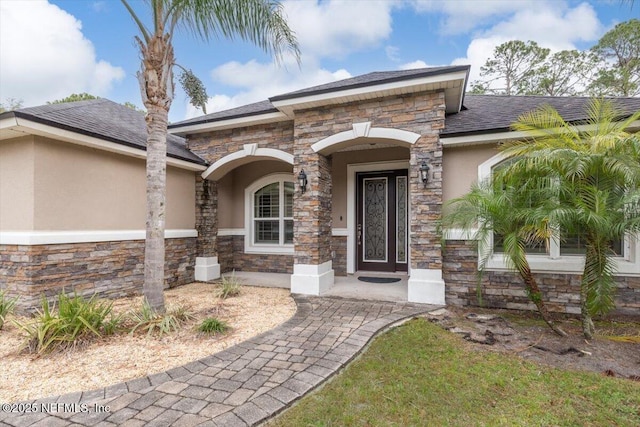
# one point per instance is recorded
(74, 320)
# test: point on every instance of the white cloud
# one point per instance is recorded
(393, 53)
(257, 81)
(333, 28)
(337, 28)
(414, 64)
(462, 16)
(44, 55)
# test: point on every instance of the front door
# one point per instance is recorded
(381, 232)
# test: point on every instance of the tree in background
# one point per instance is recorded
(563, 73)
(10, 104)
(594, 182)
(512, 67)
(259, 21)
(134, 107)
(610, 68)
(619, 55)
(74, 97)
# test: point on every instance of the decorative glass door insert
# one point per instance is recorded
(375, 219)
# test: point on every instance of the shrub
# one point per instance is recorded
(229, 287)
(6, 307)
(161, 323)
(75, 322)
(212, 326)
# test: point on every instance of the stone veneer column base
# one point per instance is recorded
(207, 268)
(310, 279)
(426, 286)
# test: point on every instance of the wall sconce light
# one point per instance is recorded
(424, 173)
(302, 181)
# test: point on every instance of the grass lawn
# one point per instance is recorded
(419, 375)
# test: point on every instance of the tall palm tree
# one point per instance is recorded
(595, 169)
(513, 212)
(259, 21)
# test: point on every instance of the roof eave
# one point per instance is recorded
(453, 83)
(504, 134)
(22, 125)
(227, 123)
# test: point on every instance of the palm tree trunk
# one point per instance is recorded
(535, 295)
(588, 328)
(153, 288)
(156, 82)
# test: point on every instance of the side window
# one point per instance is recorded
(270, 222)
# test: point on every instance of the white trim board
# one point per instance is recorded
(30, 238)
(249, 153)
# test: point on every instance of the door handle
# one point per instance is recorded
(359, 234)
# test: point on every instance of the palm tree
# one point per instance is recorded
(513, 213)
(595, 170)
(259, 21)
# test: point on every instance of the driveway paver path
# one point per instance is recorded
(243, 385)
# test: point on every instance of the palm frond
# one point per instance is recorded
(261, 22)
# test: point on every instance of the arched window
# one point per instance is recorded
(269, 215)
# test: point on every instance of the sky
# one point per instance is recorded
(51, 49)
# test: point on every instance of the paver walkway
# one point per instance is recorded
(243, 385)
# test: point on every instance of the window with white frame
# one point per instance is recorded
(269, 215)
(562, 253)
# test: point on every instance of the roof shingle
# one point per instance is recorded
(106, 120)
(496, 113)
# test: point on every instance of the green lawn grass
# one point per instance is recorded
(421, 375)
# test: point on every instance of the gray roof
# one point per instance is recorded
(106, 120)
(256, 108)
(370, 79)
(496, 113)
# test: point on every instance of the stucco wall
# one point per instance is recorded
(78, 188)
(231, 190)
(460, 168)
(16, 184)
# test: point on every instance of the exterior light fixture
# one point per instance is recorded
(302, 181)
(424, 173)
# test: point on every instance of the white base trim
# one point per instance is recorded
(207, 268)
(29, 238)
(426, 286)
(231, 232)
(340, 232)
(310, 279)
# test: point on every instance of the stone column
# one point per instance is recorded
(207, 266)
(312, 269)
(425, 282)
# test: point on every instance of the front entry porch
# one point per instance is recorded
(343, 287)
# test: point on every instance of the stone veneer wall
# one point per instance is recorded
(110, 269)
(212, 147)
(206, 217)
(339, 252)
(422, 113)
(231, 257)
(504, 289)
